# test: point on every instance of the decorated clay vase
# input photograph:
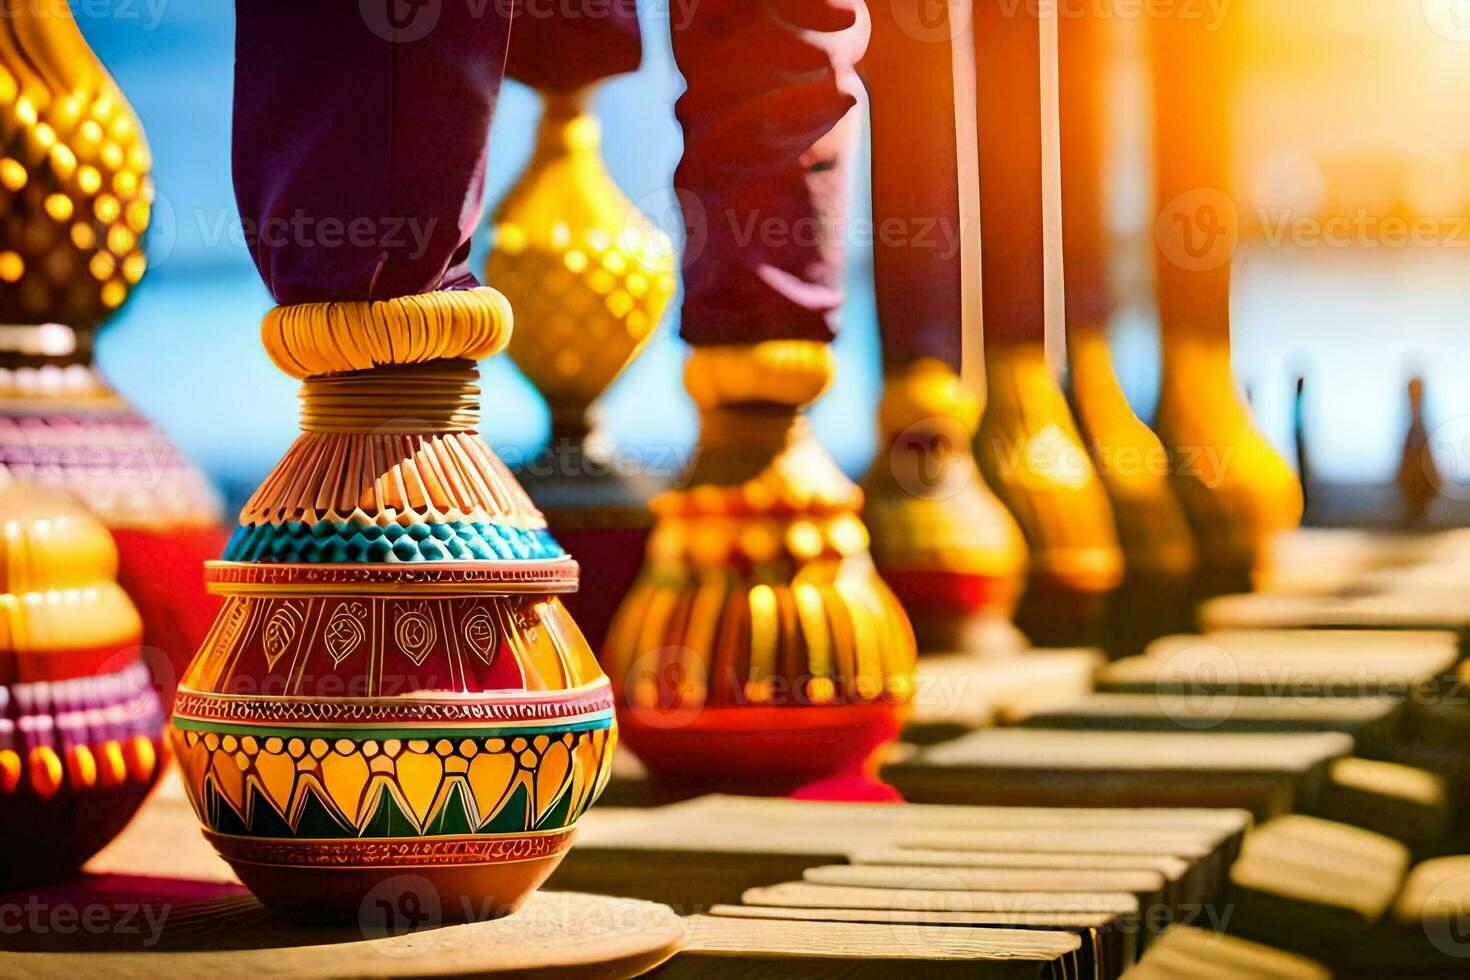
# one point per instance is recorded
(759, 650)
(1237, 490)
(1159, 558)
(62, 426)
(942, 540)
(589, 277)
(75, 201)
(80, 722)
(1033, 456)
(393, 697)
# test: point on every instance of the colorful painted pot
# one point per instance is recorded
(76, 200)
(393, 708)
(80, 722)
(344, 725)
(62, 426)
(759, 651)
(943, 542)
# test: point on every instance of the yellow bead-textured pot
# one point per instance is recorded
(80, 720)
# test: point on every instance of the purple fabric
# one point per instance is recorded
(360, 136)
(769, 126)
(564, 45)
(918, 268)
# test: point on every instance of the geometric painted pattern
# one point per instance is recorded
(387, 646)
(456, 784)
(355, 541)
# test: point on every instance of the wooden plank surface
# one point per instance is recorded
(1415, 610)
(1313, 886)
(720, 946)
(1406, 803)
(910, 916)
(1320, 561)
(1187, 953)
(1147, 887)
(1368, 720)
(708, 851)
(1288, 663)
(1267, 774)
(1424, 934)
(1107, 945)
(957, 693)
(1170, 868)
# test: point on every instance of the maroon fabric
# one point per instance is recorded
(564, 45)
(1082, 63)
(360, 135)
(1008, 121)
(611, 559)
(917, 266)
(769, 125)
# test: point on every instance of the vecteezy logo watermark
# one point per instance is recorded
(407, 236)
(1445, 914)
(400, 21)
(565, 458)
(931, 21)
(778, 231)
(1211, 13)
(39, 918)
(658, 689)
(931, 459)
(1051, 456)
(677, 213)
(1449, 447)
(399, 906)
(1450, 19)
(1199, 230)
(148, 12)
(1363, 229)
(1207, 679)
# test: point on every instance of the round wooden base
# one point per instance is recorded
(561, 935)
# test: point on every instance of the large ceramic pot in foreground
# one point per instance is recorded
(393, 698)
(344, 725)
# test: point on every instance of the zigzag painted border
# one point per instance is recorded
(310, 788)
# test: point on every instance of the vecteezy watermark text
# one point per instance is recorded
(408, 235)
(38, 918)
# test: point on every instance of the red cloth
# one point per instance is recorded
(163, 573)
(917, 226)
(1008, 121)
(1082, 63)
(769, 126)
(360, 135)
(611, 559)
(857, 786)
(557, 46)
